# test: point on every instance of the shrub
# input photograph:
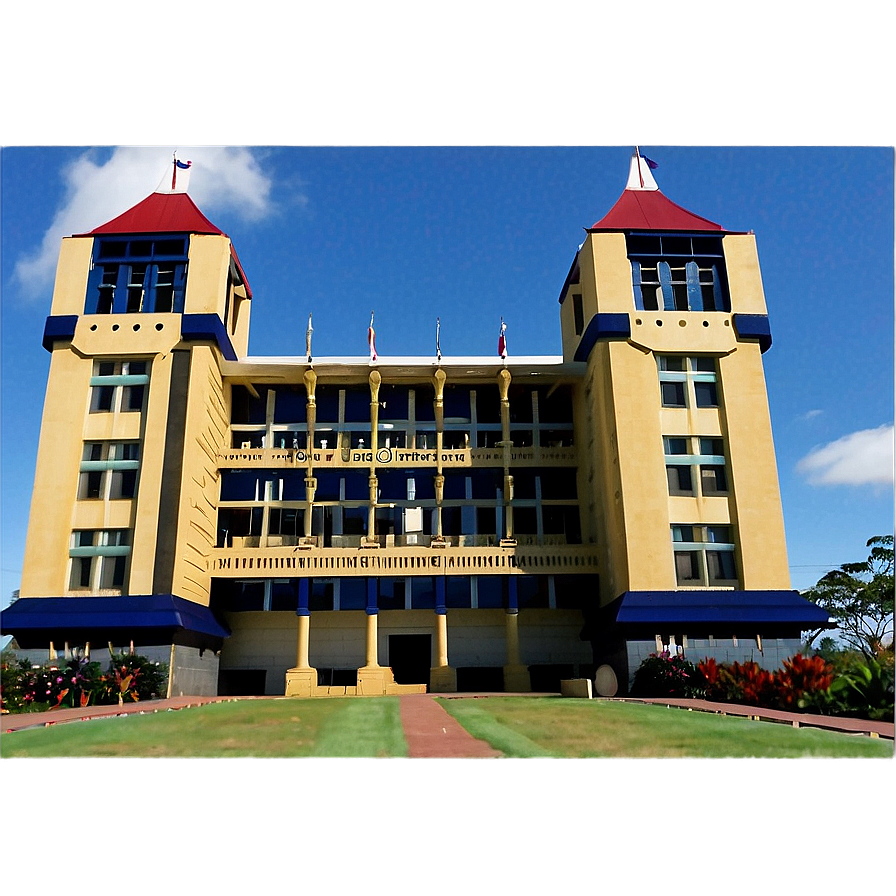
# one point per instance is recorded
(803, 683)
(662, 675)
(865, 690)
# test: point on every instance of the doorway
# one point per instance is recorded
(410, 657)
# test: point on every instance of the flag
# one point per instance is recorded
(371, 339)
(502, 341)
(178, 164)
(650, 163)
(438, 347)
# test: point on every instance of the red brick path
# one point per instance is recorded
(432, 733)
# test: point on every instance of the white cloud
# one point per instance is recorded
(97, 190)
(810, 415)
(860, 458)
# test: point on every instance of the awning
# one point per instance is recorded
(784, 613)
(147, 619)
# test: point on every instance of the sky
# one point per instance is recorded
(359, 165)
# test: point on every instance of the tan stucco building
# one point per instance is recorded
(307, 525)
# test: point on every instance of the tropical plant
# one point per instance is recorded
(866, 690)
(859, 597)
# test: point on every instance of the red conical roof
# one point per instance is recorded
(643, 207)
(166, 213)
(643, 210)
(160, 213)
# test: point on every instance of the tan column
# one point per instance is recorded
(511, 621)
(441, 639)
(311, 417)
(506, 444)
(438, 382)
(374, 380)
(372, 657)
(303, 641)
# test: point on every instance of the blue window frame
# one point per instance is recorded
(129, 276)
(678, 272)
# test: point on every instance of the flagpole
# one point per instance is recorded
(638, 157)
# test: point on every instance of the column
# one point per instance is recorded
(442, 678)
(373, 679)
(374, 380)
(301, 680)
(516, 675)
(506, 445)
(310, 481)
(438, 382)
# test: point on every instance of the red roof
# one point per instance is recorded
(166, 213)
(650, 210)
(160, 213)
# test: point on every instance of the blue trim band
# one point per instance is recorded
(60, 327)
(605, 325)
(753, 326)
(207, 326)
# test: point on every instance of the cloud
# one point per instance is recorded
(810, 415)
(860, 458)
(100, 185)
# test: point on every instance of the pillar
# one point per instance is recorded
(301, 680)
(442, 677)
(516, 675)
(373, 678)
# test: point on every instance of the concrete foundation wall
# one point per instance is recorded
(192, 673)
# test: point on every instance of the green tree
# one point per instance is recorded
(859, 597)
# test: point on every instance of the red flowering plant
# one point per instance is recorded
(667, 675)
(803, 683)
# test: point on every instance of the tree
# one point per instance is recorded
(859, 597)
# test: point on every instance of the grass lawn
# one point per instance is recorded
(523, 727)
(260, 728)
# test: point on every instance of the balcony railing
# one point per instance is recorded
(238, 562)
(273, 458)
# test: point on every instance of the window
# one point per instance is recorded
(578, 313)
(118, 386)
(99, 558)
(688, 382)
(678, 273)
(691, 460)
(134, 275)
(109, 470)
(704, 555)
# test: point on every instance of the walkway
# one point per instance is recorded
(432, 733)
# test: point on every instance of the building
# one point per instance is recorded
(307, 525)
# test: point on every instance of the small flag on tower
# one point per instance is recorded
(178, 164)
(502, 340)
(371, 339)
(438, 346)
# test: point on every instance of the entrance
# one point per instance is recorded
(410, 657)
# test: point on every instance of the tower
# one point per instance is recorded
(145, 308)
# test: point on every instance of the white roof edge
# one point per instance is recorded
(404, 361)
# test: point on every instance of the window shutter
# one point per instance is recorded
(636, 283)
(666, 284)
(695, 297)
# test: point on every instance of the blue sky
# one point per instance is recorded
(385, 183)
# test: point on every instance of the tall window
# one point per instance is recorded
(109, 470)
(688, 382)
(704, 555)
(99, 558)
(693, 463)
(128, 276)
(678, 273)
(118, 386)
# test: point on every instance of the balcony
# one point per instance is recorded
(291, 458)
(452, 559)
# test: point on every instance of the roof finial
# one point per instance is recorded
(639, 177)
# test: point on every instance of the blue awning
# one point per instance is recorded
(754, 611)
(137, 617)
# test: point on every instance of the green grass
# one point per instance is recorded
(520, 727)
(523, 727)
(260, 728)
